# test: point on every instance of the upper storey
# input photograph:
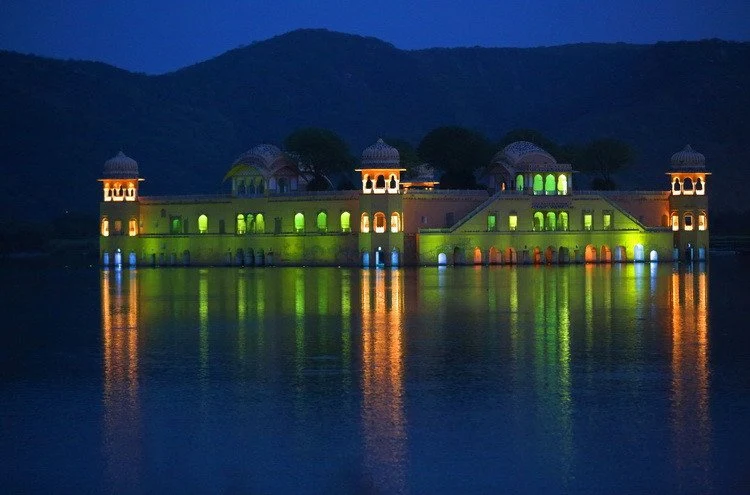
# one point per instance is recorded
(381, 169)
(120, 178)
(525, 167)
(688, 173)
(264, 168)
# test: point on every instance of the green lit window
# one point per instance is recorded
(562, 185)
(241, 224)
(491, 222)
(538, 184)
(346, 221)
(551, 220)
(299, 222)
(538, 221)
(202, 224)
(512, 221)
(563, 223)
(260, 223)
(322, 221)
(607, 218)
(175, 225)
(549, 185)
(519, 182)
(588, 221)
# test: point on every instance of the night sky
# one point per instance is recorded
(159, 36)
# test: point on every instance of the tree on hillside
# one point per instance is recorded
(603, 157)
(320, 154)
(458, 152)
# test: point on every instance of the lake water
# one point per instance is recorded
(596, 379)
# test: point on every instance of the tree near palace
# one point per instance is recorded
(603, 157)
(408, 157)
(458, 152)
(320, 153)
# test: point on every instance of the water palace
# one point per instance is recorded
(528, 213)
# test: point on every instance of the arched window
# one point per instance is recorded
(299, 222)
(322, 221)
(675, 221)
(105, 227)
(241, 190)
(345, 221)
(519, 182)
(513, 220)
(562, 185)
(676, 188)
(563, 221)
(261, 186)
(551, 221)
(549, 185)
(241, 226)
(699, 186)
(395, 222)
(131, 191)
(202, 224)
(379, 222)
(538, 221)
(392, 184)
(118, 227)
(688, 221)
(687, 186)
(538, 184)
(175, 226)
(132, 227)
(664, 221)
(260, 223)
(702, 221)
(250, 223)
(491, 222)
(380, 182)
(364, 223)
(367, 184)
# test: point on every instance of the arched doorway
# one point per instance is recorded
(365, 259)
(458, 256)
(620, 254)
(537, 258)
(549, 255)
(132, 259)
(590, 255)
(250, 257)
(105, 258)
(605, 255)
(493, 256)
(477, 256)
(394, 258)
(118, 257)
(186, 258)
(442, 259)
(638, 253)
(511, 257)
(653, 256)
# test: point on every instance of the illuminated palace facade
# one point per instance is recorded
(528, 213)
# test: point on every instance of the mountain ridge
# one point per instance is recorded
(62, 119)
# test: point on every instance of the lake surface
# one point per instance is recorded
(595, 379)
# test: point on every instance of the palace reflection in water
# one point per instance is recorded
(366, 378)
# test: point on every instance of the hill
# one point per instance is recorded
(62, 119)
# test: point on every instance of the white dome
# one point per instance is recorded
(520, 150)
(120, 166)
(688, 158)
(263, 156)
(381, 155)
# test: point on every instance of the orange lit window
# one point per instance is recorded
(364, 224)
(676, 188)
(379, 222)
(132, 227)
(105, 227)
(395, 222)
(688, 221)
(675, 222)
(702, 221)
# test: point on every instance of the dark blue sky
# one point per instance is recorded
(156, 36)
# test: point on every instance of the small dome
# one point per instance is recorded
(263, 156)
(517, 151)
(381, 155)
(120, 166)
(688, 158)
